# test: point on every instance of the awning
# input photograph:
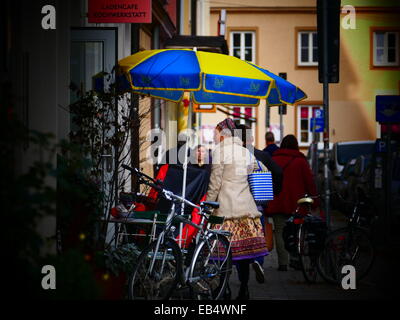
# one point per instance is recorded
(204, 43)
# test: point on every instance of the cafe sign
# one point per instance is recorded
(119, 11)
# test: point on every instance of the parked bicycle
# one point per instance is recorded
(165, 269)
(350, 245)
(304, 236)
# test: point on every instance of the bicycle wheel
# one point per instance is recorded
(308, 260)
(346, 246)
(159, 282)
(210, 268)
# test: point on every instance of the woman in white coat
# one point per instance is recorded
(231, 164)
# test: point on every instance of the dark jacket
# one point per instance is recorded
(297, 181)
(272, 166)
(271, 148)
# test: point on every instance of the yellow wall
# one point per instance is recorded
(186, 18)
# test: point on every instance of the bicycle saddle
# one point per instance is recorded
(212, 204)
(305, 200)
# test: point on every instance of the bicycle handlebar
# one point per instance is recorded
(153, 184)
(138, 173)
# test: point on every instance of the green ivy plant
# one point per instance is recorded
(30, 197)
(122, 258)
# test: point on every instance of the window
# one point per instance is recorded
(242, 45)
(243, 115)
(385, 48)
(304, 116)
(307, 48)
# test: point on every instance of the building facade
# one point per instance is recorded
(281, 36)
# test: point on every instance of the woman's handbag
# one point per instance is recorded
(260, 183)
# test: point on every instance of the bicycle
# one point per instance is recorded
(350, 245)
(164, 268)
(304, 237)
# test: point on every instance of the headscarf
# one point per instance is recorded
(227, 124)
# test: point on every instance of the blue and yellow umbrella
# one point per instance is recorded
(282, 92)
(188, 70)
(212, 78)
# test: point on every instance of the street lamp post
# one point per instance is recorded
(328, 18)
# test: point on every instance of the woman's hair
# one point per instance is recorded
(200, 146)
(289, 142)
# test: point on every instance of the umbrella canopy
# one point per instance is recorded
(283, 92)
(213, 78)
(188, 70)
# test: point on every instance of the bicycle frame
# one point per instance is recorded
(202, 238)
(202, 235)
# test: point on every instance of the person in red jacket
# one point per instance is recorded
(297, 181)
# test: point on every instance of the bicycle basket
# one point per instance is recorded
(316, 233)
(290, 234)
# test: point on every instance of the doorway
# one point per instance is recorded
(94, 51)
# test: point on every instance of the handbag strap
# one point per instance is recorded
(258, 162)
(287, 164)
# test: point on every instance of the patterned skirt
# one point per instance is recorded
(247, 240)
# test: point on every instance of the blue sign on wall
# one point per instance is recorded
(319, 113)
(319, 124)
(388, 109)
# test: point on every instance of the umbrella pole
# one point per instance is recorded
(185, 163)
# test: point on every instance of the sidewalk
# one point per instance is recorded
(291, 285)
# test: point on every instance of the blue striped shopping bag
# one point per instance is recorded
(260, 183)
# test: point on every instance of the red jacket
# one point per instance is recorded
(297, 181)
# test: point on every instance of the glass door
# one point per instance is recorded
(93, 50)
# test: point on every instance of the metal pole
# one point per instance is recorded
(282, 108)
(314, 151)
(156, 114)
(185, 163)
(388, 184)
(281, 123)
(326, 115)
(116, 153)
(157, 103)
(193, 17)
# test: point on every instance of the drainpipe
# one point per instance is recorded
(181, 16)
(193, 17)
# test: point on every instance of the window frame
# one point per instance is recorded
(298, 62)
(242, 31)
(242, 43)
(310, 105)
(385, 65)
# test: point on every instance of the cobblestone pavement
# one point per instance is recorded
(290, 285)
